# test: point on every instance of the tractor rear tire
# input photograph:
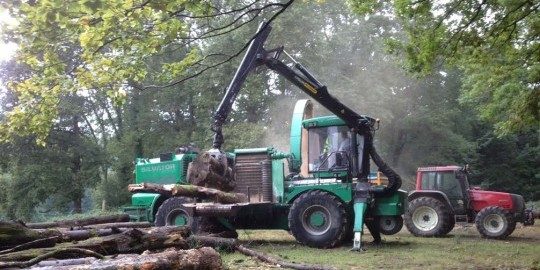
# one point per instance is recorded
(390, 225)
(319, 219)
(450, 226)
(173, 213)
(428, 217)
(495, 222)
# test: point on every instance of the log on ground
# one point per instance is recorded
(80, 222)
(201, 258)
(131, 241)
(13, 234)
(189, 191)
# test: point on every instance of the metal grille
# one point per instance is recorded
(254, 176)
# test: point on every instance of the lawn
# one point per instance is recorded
(463, 248)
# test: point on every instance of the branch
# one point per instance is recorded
(51, 254)
(284, 7)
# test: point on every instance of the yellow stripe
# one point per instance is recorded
(310, 88)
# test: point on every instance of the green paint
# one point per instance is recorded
(391, 206)
(317, 219)
(359, 211)
(181, 220)
(278, 175)
(340, 190)
(253, 150)
(162, 172)
(323, 121)
(296, 134)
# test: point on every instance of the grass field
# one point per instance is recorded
(463, 248)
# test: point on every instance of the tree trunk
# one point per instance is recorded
(201, 259)
(208, 171)
(80, 222)
(131, 241)
(189, 191)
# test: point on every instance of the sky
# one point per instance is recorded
(6, 49)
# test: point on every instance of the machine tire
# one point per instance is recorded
(427, 217)
(319, 219)
(390, 225)
(495, 222)
(450, 226)
(171, 211)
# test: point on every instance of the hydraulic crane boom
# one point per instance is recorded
(257, 55)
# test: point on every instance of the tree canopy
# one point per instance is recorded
(496, 45)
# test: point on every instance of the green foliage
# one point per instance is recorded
(494, 43)
(509, 164)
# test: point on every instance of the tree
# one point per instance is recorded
(81, 46)
(496, 45)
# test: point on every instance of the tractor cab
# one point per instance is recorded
(332, 149)
(450, 180)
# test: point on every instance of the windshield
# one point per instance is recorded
(324, 142)
(443, 181)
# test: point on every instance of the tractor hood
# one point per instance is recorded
(483, 198)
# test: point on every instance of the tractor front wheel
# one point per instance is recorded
(427, 217)
(390, 225)
(173, 213)
(319, 219)
(495, 222)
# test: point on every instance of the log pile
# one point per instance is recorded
(212, 172)
(121, 245)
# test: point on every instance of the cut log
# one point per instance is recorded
(209, 171)
(116, 225)
(13, 234)
(189, 191)
(52, 254)
(80, 222)
(131, 241)
(202, 258)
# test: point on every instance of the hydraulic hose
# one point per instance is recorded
(394, 180)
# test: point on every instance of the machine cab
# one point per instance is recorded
(450, 180)
(331, 149)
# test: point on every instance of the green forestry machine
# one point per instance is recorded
(327, 196)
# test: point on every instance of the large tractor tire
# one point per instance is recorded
(390, 225)
(428, 217)
(494, 222)
(319, 219)
(450, 226)
(172, 213)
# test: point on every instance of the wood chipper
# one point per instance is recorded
(324, 199)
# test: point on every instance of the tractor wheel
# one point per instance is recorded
(427, 217)
(450, 226)
(319, 219)
(390, 225)
(172, 213)
(495, 222)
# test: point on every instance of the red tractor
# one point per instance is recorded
(443, 197)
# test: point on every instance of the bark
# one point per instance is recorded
(116, 225)
(131, 241)
(52, 254)
(13, 234)
(189, 191)
(202, 258)
(80, 222)
(208, 171)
